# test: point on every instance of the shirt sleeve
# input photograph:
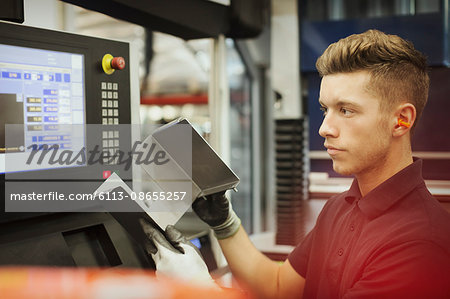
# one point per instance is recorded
(417, 269)
(300, 255)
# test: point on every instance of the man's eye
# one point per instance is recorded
(346, 112)
(324, 110)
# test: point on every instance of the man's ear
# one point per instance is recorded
(406, 116)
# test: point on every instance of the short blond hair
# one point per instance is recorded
(398, 71)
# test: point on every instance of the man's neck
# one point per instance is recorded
(392, 164)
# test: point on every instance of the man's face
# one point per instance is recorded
(356, 131)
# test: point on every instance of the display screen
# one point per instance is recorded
(43, 92)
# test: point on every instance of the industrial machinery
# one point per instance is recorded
(52, 86)
(65, 117)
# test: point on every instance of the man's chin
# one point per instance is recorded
(342, 169)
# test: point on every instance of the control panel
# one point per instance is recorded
(64, 98)
(50, 79)
(66, 91)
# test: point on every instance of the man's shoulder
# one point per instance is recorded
(418, 217)
(422, 207)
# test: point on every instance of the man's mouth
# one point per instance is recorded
(332, 151)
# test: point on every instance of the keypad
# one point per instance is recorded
(110, 116)
(111, 147)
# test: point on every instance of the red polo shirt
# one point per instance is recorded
(392, 243)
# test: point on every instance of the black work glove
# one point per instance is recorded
(216, 211)
(175, 256)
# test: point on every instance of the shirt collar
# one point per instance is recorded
(389, 192)
(353, 193)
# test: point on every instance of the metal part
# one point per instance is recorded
(208, 173)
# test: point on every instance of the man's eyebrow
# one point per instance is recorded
(347, 103)
(341, 103)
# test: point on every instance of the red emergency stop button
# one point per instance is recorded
(118, 63)
(111, 63)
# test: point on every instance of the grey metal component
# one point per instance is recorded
(208, 173)
(70, 239)
(219, 100)
(188, 19)
(257, 142)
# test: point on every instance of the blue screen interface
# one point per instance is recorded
(43, 91)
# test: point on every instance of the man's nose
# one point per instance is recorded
(328, 128)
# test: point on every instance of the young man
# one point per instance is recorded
(386, 237)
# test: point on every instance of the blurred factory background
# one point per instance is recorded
(243, 73)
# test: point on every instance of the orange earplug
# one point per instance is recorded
(403, 123)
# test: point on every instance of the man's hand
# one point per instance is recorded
(216, 211)
(175, 256)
